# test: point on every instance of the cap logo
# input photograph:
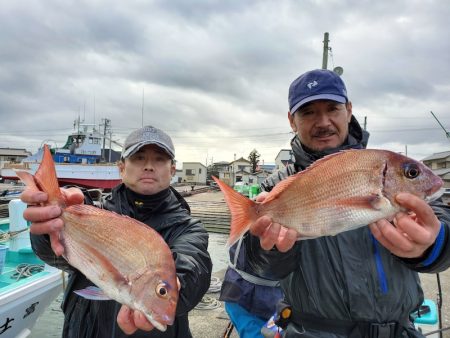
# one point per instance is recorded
(312, 84)
(147, 134)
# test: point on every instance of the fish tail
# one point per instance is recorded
(242, 211)
(46, 178)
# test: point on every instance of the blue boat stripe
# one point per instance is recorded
(380, 269)
(436, 248)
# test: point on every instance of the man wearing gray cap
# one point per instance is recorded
(146, 167)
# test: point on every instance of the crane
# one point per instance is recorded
(446, 132)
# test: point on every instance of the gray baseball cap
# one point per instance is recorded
(147, 135)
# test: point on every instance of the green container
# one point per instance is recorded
(253, 191)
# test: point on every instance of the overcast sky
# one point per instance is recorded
(215, 74)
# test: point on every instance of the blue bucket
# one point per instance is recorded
(3, 250)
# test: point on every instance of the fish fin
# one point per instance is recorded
(27, 179)
(93, 293)
(110, 270)
(280, 187)
(46, 179)
(242, 211)
(371, 202)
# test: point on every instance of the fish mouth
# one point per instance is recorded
(434, 194)
(160, 326)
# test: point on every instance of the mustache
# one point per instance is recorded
(322, 132)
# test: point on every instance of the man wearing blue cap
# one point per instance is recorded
(360, 283)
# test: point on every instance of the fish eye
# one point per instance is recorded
(411, 170)
(161, 290)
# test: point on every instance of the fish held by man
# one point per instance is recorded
(337, 193)
(129, 261)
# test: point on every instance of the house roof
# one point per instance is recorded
(14, 152)
(285, 152)
(437, 156)
(441, 172)
(196, 163)
(240, 160)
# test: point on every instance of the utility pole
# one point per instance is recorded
(105, 127)
(325, 50)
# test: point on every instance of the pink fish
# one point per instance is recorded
(337, 193)
(129, 261)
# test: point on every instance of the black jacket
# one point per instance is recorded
(348, 277)
(169, 215)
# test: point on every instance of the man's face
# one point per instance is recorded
(322, 124)
(148, 171)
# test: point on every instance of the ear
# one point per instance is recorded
(291, 122)
(349, 107)
(173, 169)
(121, 166)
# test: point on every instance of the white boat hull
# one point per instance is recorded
(87, 175)
(21, 306)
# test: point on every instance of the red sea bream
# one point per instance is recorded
(129, 261)
(337, 193)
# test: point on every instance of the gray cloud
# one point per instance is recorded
(215, 74)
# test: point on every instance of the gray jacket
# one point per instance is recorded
(349, 277)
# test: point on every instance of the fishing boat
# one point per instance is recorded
(27, 284)
(82, 161)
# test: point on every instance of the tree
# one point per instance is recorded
(254, 159)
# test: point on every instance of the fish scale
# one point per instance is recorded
(339, 192)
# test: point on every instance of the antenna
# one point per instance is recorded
(447, 134)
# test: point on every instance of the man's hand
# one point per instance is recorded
(130, 320)
(270, 233)
(45, 218)
(411, 234)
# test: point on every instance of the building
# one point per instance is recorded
(284, 157)
(194, 173)
(440, 164)
(240, 171)
(12, 155)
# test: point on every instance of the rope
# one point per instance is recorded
(208, 302)
(26, 270)
(6, 236)
(215, 285)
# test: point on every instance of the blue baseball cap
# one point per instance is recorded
(318, 84)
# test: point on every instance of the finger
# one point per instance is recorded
(56, 245)
(260, 226)
(142, 322)
(178, 284)
(391, 238)
(270, 236)
(73, 196)
(421, 208)
(47, 227)
(413, 230)
(287, 239)
(262, 196)
(125, 320)
(42, 214)
(31, 196)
